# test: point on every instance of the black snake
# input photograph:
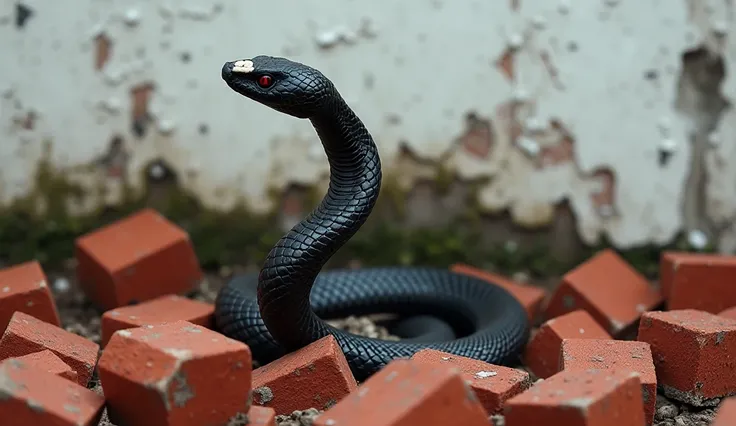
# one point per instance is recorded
(283, 309)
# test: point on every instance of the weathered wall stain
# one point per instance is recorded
(578, 122)
(22, 14)
(140, 115)
(103, 50)
(478, 136)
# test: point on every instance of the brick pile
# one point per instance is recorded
(608, 343)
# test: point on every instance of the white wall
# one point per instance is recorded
(610, 73)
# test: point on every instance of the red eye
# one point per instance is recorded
(265, 81)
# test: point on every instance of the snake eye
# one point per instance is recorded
(265, 81)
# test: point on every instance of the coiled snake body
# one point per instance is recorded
(284, 310)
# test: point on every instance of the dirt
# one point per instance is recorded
(81, 317)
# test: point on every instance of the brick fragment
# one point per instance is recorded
(176, 373)
(261, 416)
(729, 313)
(693, 354)
(135, 259)
(529, 296)
(668, 261)
(580, 398)
(47, 361)
(587, 354)
(542, 353)
(726, 415)
(612, 291)
(162, 309)
(701, 281)
(492, 384)
(26, 335)
(406, 393)
(31, 396)
(24, 288)
(317, 375)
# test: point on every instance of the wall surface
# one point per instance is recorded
(619, 108)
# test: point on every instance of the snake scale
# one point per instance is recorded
(284, 308)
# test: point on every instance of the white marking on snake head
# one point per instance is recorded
(243, 66)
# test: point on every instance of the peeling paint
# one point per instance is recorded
(540, 106)
(103, 50)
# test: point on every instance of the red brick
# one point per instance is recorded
(261, 416)
(23, 288)
(613, 292)
(26, 335)
(29, 396)
(580, 398)
(729, 313)
(699, 281)
(492, 384)
(48, 361)
(542, 353)
(587, 354)
(726, 415)
(317, 376)
(693, 354)
(135, 259)
(176, 373)
(162, 309)
(529, 296)
(667, 262)
(408, 393)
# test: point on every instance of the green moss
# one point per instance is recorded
(39, 226)
(444, 179)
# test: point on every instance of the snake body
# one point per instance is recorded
(284, 308)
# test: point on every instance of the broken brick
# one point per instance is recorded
(693, 354)
(406, 392)
(726, 415)
(135, 259)
(48, 361)
(26, 335)
(729, 313)
(701, 281)
(176, 373)
(608, 288)
(316, 375)
(169, 308)
(580, 398)
(529, 296)
(23, 288)
(31, 396)
(586, 354)
(542, 353)
(492, 384)
(261, 416)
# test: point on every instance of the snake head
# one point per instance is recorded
(286, 86)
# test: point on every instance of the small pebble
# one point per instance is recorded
(498, 420)
(666, 412)
(298, 418)
(362, 326)
(61, 285)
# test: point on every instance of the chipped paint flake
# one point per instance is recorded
(243, 66)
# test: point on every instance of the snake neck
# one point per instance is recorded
(295, 261)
